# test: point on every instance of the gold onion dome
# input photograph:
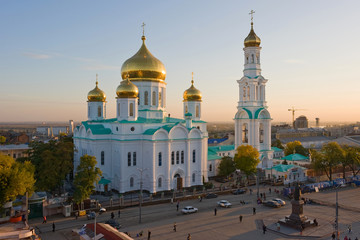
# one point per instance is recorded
(96, 95)
(127, 89)
(143, 66)
(252, 40)
(192, 94)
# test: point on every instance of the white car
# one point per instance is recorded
(102, 210)
(280, 201)
(224, 203)
(189, 209)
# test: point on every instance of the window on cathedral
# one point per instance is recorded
(177, 157)
(160, 99)
(248, 93)
(160, 159)
(182, 156)
(245, 133)
(247, 59)
(102, 157)
(159, 182)
(129, 159)
(131, 182)
(132, 129)
(99, 111)
(194, 156)
(139, 98)
(146, 98)
(186, 109)
(244, 93)
(172, 157)
(154, 98)
(89, 111)
(134, 158)
(118, 110)
(197, 114)
(210, 167)
(193, 177)
(261, 133)
(131, 110)
(252, 58)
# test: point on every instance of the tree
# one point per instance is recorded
(2, 140)
(295, 147)
(226, 166)
(277, 143)
(352, 159)
(246, 159)
(15, 178)
(85, 178)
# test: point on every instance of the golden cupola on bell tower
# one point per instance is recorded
(192, 101)
(96, 103)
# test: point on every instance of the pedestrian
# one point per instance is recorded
(174, 227)
(269, 190)
(215, 211)
(278, 226)
(177, 206)
(264, 229)
(240, 218)
(264, 196)
(254, 211)
(53, 227)
(356, 238)
(44, 219)
(112, 215)
(76, 215)
(346, 238)
(200, 198)
(333, 236)
(119, 213)
(189, 237)
(261, 196)
(349, 228)
(149, 234)
(250, 191)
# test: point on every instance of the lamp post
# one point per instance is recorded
(337, 215)
(141, 170)
(95, 224)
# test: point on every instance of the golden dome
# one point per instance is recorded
(127, 89)
(143, 66)
(252, 40)
(192, 94)
(96, 95)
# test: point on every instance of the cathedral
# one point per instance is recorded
(143, 145)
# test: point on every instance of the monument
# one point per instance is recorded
(297, 219)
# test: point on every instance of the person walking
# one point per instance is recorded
(264, 229)
(174, 228)
(333, 236)
(119, 213)
(250, 191)
(112, 215)
(44, 219)
(215, 211)
(189, 237)
(53, 226)
(254, 211)
(177, 206)
(149, 235)
(240, 218)
(269, 190)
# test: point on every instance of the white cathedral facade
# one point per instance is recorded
(142, 142)
(252, 120)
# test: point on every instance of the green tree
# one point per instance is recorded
(15, 178)
(352, 159)
(295, 147)
(226, 166)
(246, 159)
(277, 143)
(85, 178)
(2, 140)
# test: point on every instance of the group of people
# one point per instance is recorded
(53, 225)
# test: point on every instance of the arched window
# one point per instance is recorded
(99, 111)
(131, 109)
(258, 59)
(134, 158)
(186, 109)
(160, 159)
(177, 157)
(248, 92)
(252, 58)
(261, 133)
(118, 109)
(194, 156)
(244, 93)
(131, 182)
(197, 114)
(210, 167)
(182, 156)
(245, 133)
(257, 92)
(247, 59)
(129, 159)
(89, 111)
(139, 98)
(102, 157)
(172, 157)
(146, 98)
(159, 182)
(154, 98)
(193, 177)
(160, 103)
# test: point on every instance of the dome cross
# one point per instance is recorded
(251, 14)
(143, 27)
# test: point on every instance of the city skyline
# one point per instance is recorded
(51, 54)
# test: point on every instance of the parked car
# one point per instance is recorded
(239, 191)
(102, 210)
(271, 203)
(91, 215)
(280, 201)
(224, 203)
(113, 223)
(211, 195)
(189, 209)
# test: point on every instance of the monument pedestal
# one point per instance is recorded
(297, 219)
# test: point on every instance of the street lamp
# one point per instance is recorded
(337, 215)
(141, 170)
(95, 224)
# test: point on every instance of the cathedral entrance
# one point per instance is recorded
(178, 181)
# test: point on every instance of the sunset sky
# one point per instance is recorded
(51, 51)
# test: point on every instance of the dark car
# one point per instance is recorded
(90, 215)
(239, 191)
(211, 195)
(271, 203)
(113, 223)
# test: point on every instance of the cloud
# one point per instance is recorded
(36, 56)
(101, 67)
(294, 61)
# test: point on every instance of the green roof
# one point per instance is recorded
(213, 151)
(276, 149)
(295, 157)
(285, 168)
(104, 181)
(96, 129)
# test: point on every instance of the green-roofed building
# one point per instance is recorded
(289, 173)
(215, 153)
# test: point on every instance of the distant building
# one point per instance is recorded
(215, 154)
(301, 122)
(14, 151)
(309, 137)
(317, 122)
(289, 173)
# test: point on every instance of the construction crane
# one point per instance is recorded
(293, 110)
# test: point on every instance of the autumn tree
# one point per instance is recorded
(246, 159)
(226, 166)
(352, 159)
(277, 143)
(2, 140)
(85, 178)
(295, 147)
(16, 178)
